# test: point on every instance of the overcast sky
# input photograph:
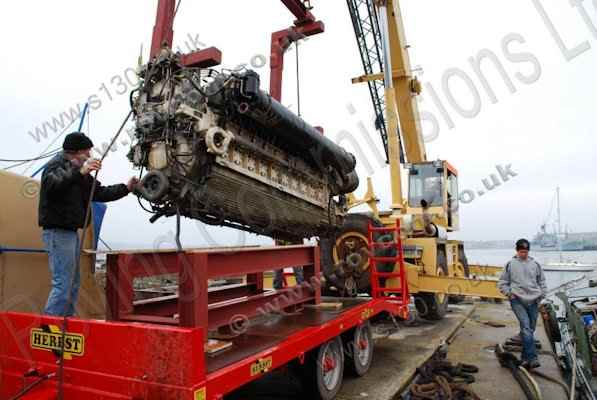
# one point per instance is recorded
(531, 105)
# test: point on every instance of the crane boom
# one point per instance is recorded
(405, 85)
(382, 44)
(366, 28)
(369, 32)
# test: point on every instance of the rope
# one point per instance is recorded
(440, 379)
(177, 6)
(26, 161)
(52, 142)
(177, 237)
(78, 263)
(552, 379)
(105, 244)
(298, 79)
(40, 157)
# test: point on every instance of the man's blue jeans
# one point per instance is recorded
(527, 317)
(279, 277)
(63, 249)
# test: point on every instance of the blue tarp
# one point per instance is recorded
(99, 211)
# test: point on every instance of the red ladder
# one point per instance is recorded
(398, 294)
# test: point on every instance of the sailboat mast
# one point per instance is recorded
(559, 234)
(558, 205)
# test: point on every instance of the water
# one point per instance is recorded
(500, 257)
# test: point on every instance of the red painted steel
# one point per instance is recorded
(297, 7)
(123, 360)
(163, 32)
(281, 40)
(163, 35)
(400, 293)
(195, 305)
(227, 379)
(118, 361)
(134, 361)
(305, 25)
(205, 58)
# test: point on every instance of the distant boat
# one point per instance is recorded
(556, 240)
(569, 266)
(545, 241)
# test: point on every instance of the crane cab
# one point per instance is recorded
(433, 188)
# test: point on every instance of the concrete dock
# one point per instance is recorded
(473, 344)
(397, 357)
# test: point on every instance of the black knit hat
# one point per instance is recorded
(522, 244)
(77, 141)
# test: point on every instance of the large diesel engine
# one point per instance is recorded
(217, 148)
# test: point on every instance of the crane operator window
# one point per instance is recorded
(425, 183)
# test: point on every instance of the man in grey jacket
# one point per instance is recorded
(523, 282)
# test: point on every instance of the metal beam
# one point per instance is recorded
(455, 286)
(281, 40)
(163, 31)
(298, 9)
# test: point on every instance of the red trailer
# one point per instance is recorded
(163, 348)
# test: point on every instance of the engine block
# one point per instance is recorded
(218, 149)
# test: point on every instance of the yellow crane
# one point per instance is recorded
(437, 266)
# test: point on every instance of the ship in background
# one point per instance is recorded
(556, 240)
(560, 241)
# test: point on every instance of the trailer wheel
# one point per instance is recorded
(321, 375)
(360, 350)
(434, 306)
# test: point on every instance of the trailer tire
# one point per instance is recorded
(434, 306)
(315, 381)
(359, 348)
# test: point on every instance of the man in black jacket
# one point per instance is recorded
(65, 189)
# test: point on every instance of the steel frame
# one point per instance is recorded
(196, 305)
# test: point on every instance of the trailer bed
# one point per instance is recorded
(273, 330)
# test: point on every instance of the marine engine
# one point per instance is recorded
(216, 148)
